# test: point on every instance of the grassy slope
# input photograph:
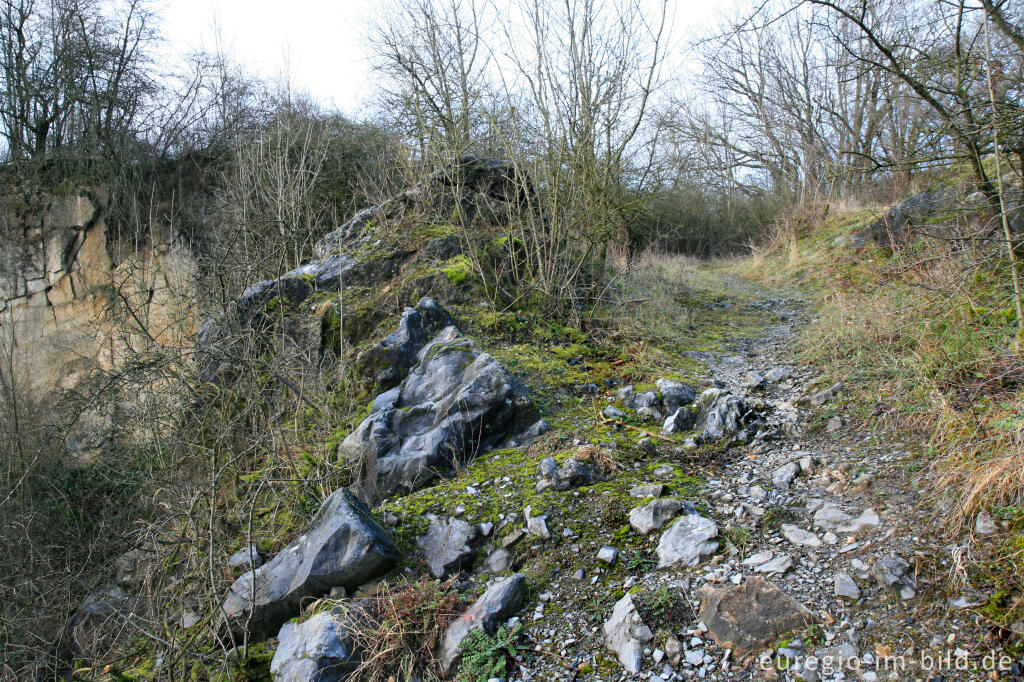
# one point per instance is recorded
(920, 338)
(669, 311)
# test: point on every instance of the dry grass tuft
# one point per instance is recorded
(401, 628)
(588, 453)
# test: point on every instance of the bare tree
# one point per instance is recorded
(74, 72)
(588, 72)
(934, 58)
(434, 61)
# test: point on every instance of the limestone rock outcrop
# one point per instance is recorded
(455, 402)
(344, 547)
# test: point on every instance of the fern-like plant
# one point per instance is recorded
(486, 656)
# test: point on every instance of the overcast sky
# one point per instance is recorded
(322, 41)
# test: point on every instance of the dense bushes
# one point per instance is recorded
(692, 221)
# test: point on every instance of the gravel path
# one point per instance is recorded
(828, 513)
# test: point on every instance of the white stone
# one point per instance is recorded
(759, 558)
(687, 541)
(607, 554)
(984, 524)
(779, 565)
(846, 587)
(801, 537)
(625, 634)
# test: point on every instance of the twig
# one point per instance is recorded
(630, 301)
(624, 425)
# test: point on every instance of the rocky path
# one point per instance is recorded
(827, 554)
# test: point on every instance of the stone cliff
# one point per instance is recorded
(62, 294)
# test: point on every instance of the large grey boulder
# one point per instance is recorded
(455, 402)
(448, 546)
(319, 649)
(675, 394)
(679, 421)
(344, 547)
(654, 515)
(484, 189)
(749, 617)
(895, 225)
(500, 602)
(576, 472)
(344, 270)
(247, 557)
(688, 540)
(647, 404)
(354, 226)
(487, 190)
(626, 634)
(721, 414)
(387, 362)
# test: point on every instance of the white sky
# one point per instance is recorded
(322, 42)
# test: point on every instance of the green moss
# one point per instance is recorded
(510, 242)
(995, 607)
(277, 305)
(458, 269)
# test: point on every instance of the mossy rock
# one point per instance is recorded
(458, 269)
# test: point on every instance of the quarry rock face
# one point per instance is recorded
(56, 280)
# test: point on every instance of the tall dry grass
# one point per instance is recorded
(924, 336)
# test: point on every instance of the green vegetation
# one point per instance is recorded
(563, 262)
(486, 656)
(402, 628)
(457, 269)
(663, 608)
